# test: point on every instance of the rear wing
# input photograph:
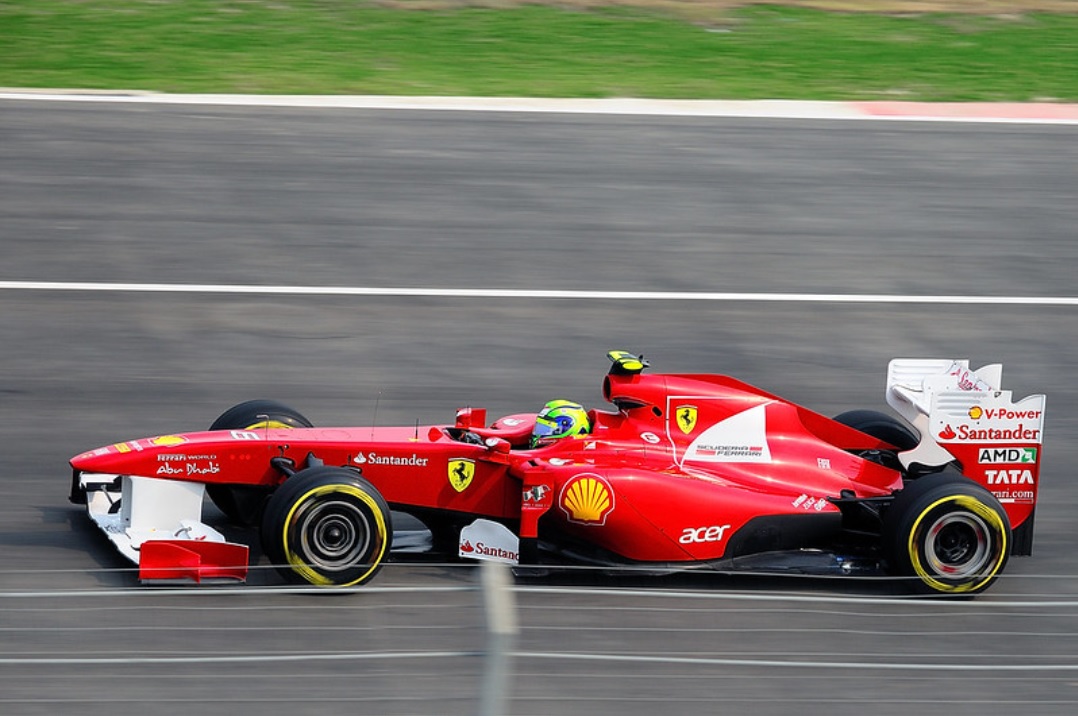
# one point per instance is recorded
(964, 415)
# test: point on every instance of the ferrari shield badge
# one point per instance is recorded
(686, 418)
(461, 472)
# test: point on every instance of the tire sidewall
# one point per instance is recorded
(241, 504)
(882, 427)
(260, 413)
(302, 509)
(930, 503)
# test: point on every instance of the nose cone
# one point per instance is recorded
(87, 461)
(108, 459)
(126, 458)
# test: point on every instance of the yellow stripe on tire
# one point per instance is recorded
(268, 424)
(972, 504)
(301, 567)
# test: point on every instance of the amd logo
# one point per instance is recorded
(1007, 456)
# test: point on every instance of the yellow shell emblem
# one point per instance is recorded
(976, 412)
(686, 417)
(587, 499)
(168, 441)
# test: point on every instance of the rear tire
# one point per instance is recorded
(243, 504)
(327, 526)
(882, 427)
(948, 533)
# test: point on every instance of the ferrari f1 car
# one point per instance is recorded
(686, 471)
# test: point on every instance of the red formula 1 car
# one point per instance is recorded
(686, 471)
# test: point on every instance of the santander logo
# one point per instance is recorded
(489, 540)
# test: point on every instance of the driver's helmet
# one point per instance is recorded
(560, 419)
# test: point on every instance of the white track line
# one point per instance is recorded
(628, 106)
(579, 295)
(799, 664)
(233, 659)
(918, 603)
(1002, 113)
(561, 656)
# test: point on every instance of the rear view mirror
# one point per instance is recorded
(497, 445)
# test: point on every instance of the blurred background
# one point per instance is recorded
(204, 195)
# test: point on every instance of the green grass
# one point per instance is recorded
(326, 47)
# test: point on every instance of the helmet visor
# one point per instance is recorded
(546, 428)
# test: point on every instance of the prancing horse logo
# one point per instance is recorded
(686, 418)
(461, 472)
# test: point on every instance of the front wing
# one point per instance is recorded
(157, 524)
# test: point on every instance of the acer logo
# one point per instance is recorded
(712, 533)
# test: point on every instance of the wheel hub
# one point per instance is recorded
(958, 545)
(335, 535)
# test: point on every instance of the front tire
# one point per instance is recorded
(243, 504)
(327, 526)
(259, 414)
(948, 533)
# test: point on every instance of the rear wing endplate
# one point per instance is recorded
(964, 415)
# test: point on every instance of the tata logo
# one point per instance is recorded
(712, 533)
(461, 472)
(686, 418)
(1009, 477)
(1007, 456)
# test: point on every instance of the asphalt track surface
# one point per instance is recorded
(275, 196)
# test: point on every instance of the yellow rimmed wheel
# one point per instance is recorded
(948, 533)
(327, 526)
(243, 504)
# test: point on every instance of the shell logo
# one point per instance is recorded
(976, 413)
(168, 440)
(587, 499)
